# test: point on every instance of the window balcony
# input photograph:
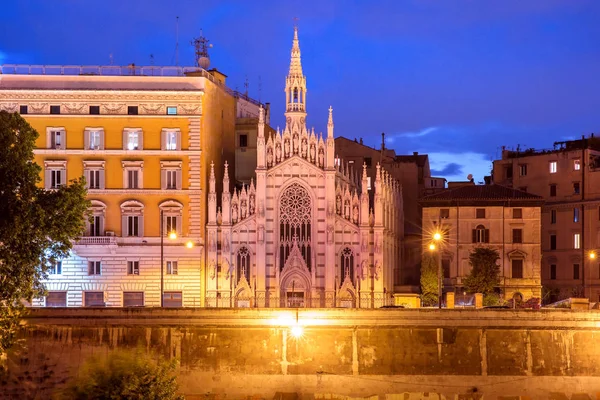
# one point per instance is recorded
(97, 240)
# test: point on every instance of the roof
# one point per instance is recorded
(420, 159)
(482, 195)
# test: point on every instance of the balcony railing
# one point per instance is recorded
(97, 240)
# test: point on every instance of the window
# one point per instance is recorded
(575, 271)
(133, 225)
(133, 299)
(132, 174)
(517, 268)
(132, 110)
(347, 265)
(552, 242)
(553, 271)
(94, 268)
(576, 187)
(172, 214)
(23, 109)
(132, 139)
(446, 267)
(243, 264)
(481, 235)
(243, 140)
(552, 216)
(95, 110)
(54, 109)
(576, 214)
(576, 164)
(170, 175)
(172, 110)
(133, 267)
(95, 226)
(553, 167)
(295, 224)
(94, 299)
(55, 268)
(171, 267)
(132, 216)
(55, 174)
(480, 213)
(509, 172)
(523, 169)
(56, 138)
(444, 213)
(368, 161)
(517, 236)
(576, 240)
(517, 213)
(171, 139)
(56, 299)
(94, 174)
(172, 299)
(553, 190)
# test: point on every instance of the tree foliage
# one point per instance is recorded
(36, 225)
(485, 272)
(429, 279)
(125, 374)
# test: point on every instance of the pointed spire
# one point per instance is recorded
(330, 123)
(295, 63)
(226, 178)
(212, 180)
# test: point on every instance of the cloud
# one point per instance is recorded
(410, 135)
(449, 169)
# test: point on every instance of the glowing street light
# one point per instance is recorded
(592, 255)
(172, 235)
(437, 236)
(297, 331)
(432, 246)
(189, 244)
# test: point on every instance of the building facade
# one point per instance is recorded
(141, 140)
(414, 175)
(304, 233)
(568, 178)
(505, 219)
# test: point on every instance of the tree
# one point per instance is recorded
(485, 273)
(37, 226)
(125, 374)
(429, 279)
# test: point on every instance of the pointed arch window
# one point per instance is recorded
(295, 223)
(243, 263)
(347, 265)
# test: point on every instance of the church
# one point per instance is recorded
(309, 230)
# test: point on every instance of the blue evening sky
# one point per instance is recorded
(454, 79)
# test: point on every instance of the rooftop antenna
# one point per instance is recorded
(177, 41)
(152, 59)
(201, 45)
(246, 86)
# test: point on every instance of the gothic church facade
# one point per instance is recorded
(309, 231)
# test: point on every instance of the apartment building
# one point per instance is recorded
(144, 139)
(568, 178)
(505, 219)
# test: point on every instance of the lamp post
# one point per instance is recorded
(172, 236)
(437, 244)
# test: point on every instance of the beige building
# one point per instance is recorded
(502, 218)
(414, 175)
(568, 177)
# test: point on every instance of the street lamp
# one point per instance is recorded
(172, 236)
(437, 243)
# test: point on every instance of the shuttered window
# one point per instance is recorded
(173, 299)
(56, 299)
(133, 299)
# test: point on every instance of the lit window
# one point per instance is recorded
(94, 140)
(171, 139)
(56, 138)
(577, 241)
(171, 110)
(576, 214)
(133, 140)
(576, 165)
(553, 167)
(368, 183)
(55, 268)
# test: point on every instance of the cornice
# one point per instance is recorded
(111, 95)
(128, 153)
(132, 192)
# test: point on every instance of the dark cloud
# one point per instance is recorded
(448, 170)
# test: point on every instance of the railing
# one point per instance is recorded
(223, 300)
(97, 240)
(109, 70)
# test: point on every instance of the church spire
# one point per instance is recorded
(295, 91)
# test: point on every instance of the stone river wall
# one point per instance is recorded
(387, 353)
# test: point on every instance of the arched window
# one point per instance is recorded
(243, 264)
(132, 219)
(295, 223)
(481, 234)
(172, 217)
(95, 226)
(347, 265)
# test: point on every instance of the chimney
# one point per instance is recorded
(415, 153)
(361, 142)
